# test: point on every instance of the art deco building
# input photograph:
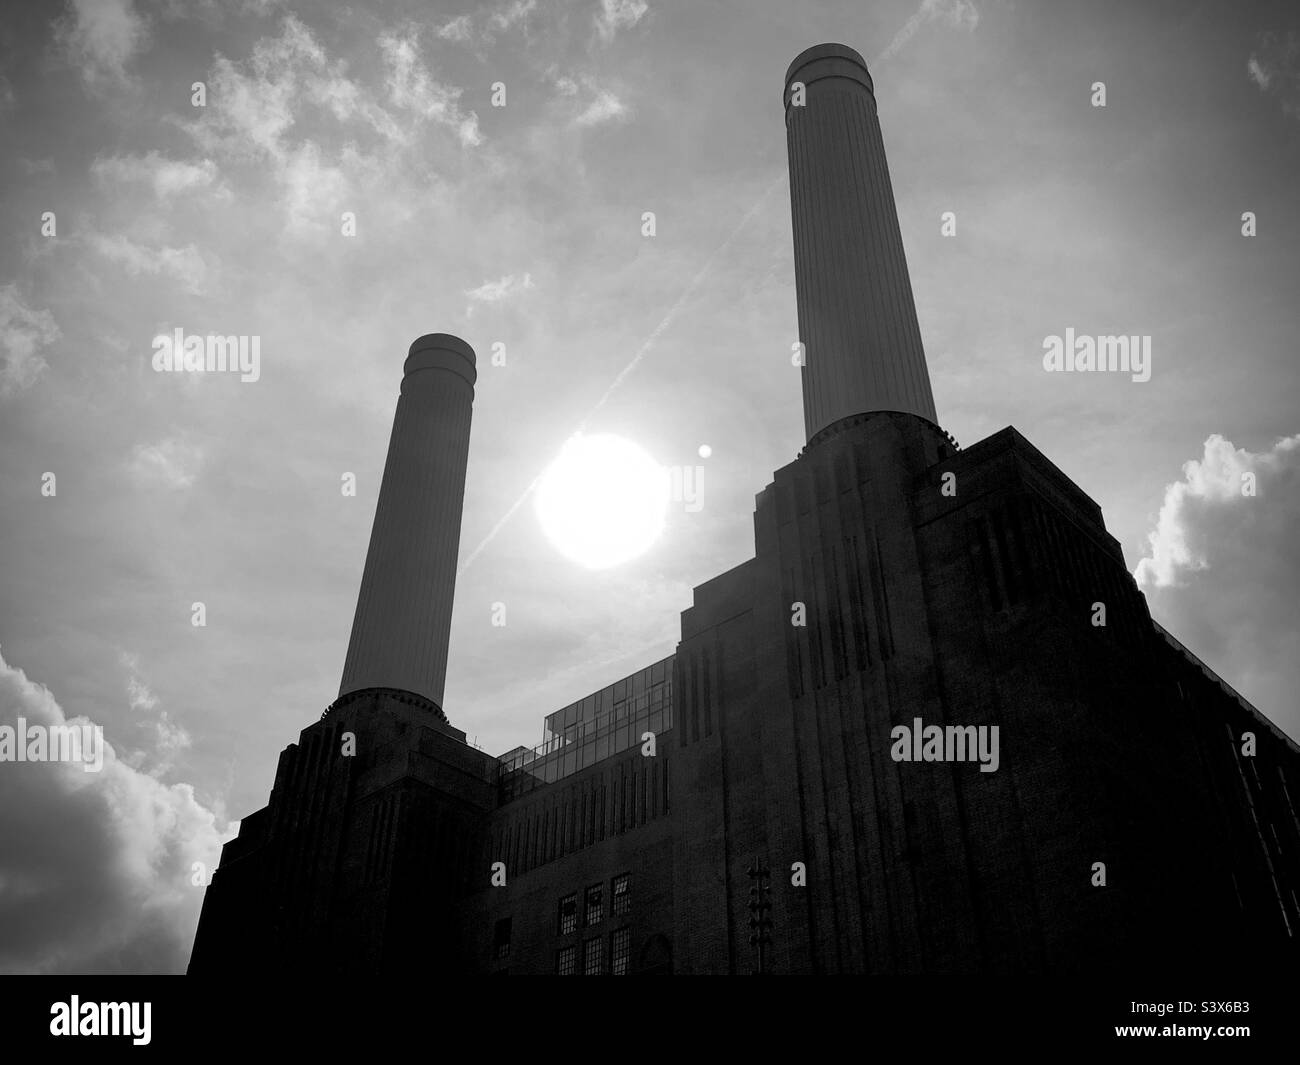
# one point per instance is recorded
(1141, 814)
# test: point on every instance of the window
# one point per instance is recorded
(592, 956)
(620, 949)
(501, 938)
(566, 961)
(568, 914)
(622, 892)
(595, 904)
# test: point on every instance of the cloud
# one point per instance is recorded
(515, 12)
(615, 15)
(254, 104)
(167, 177)
(251, 105)
(411, 88)
(1274, 68)
(100, 37)
(956, 14)
(496, 291)
(1258, 73)
(139, 695)
(591, 104)
(1211, 486)
(24, 332)
(1222, 568)
(137, 691)
(95, 868)
(7, 98)
(273, 108)
(184, 265)
(168, 737)
(458, 29)
(172, 462)
(314, 191)
(606, 107)
(462, 29)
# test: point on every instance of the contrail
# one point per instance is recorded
(675, 309)
(926, 10)
(922, 15)
(641, 353)
(957, 13)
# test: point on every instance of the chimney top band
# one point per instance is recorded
(441, 351)
(828, 61)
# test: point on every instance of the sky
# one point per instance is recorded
(522, 225)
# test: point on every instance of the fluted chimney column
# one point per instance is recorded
(403, 618)
(857, 319)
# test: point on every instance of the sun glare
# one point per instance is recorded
(602, 500)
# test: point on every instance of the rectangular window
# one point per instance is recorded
(566, 961)
(622, 892)
(595, 904)
(568, 914)
(501, 938)
(592, 956)
(620, 949)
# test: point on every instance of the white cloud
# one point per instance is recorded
(411, 88)
(253, 104)
(458, 29)
(268, 109)
(172, 462)
(586, 102)
(184, 265)
(615, 15)
(314, 191)
(1209, 486)
(168, 737)
(24, 332)
(1258, 74)
(1274, 68)
(1222, 569)
(496, 291)
(513, 13)
(95, 868)
(606, 107)
(137, 691)
(462, 28)
(167, 177)
(100, 37)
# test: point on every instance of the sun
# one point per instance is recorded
(602, 501)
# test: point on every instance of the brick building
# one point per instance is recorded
(1139, 814)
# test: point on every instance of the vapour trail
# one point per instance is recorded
(923, 14)
(954, 12)
(641, 353)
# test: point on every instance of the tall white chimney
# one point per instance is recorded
(857, 320)
(403, 618)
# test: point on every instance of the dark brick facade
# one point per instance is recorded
(969, 608)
